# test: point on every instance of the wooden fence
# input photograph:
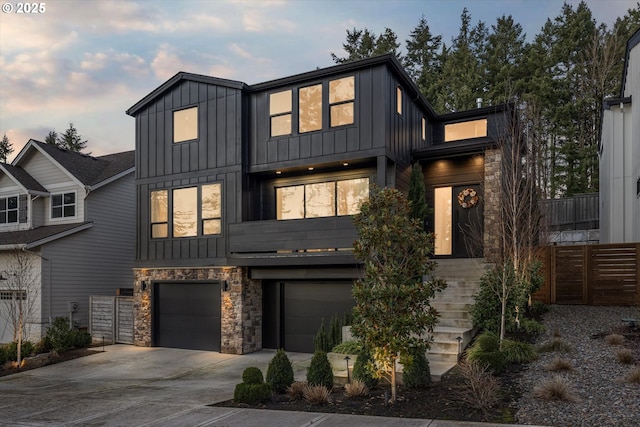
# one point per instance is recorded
(580, 212)
(111, 319)
(591, 274)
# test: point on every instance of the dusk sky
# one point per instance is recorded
(87, 61)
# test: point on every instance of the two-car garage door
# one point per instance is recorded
(187, 315)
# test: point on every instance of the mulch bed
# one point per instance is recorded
(9, 368)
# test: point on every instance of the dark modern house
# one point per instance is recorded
(245, 196)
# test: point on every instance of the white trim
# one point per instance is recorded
(63, 218)
(31, 143)
(17, 209)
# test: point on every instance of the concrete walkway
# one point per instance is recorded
(135, 386)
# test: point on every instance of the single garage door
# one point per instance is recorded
(293, 311)
(187, 315)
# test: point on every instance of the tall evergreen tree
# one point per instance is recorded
(6, 148)
(418, 195)
(423, 59)
(71, 140)
(361, 44)
(52, 137)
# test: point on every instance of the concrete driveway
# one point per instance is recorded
(136, 386)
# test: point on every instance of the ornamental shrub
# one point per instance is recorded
(252, 394)
(321, 340)
(11, 350)
(320, 372)
(486, 351)
(362, 369)
(335, 332)
(3, 354)
(60, 335)
(348, 347)
(252, 375)
(416, 373)
(280, 372)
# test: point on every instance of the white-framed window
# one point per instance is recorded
(9, 210)
(63, 205)
(11, 295)
(185, 124)
(321, 199)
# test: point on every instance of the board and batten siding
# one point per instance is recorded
(98, 260)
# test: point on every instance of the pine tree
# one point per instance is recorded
(52, 138)
(6, 148)
(71, 140)
(418, 195)
(361, 44)
(422, 60)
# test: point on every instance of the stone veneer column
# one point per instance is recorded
(241, 323)
(492, 174)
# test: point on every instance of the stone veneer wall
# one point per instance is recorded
(492, 172)
(241, 309)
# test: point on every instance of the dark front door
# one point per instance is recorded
(187, 315)
(293, 311)
(468, 221)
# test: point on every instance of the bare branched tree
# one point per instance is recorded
(21, 289)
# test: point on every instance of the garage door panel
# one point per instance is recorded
(187, 315)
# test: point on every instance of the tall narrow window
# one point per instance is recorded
(185, 212)
(280, 112)
(9, 210)
(465, 130)
(442, 221)
(341, 96)
(185, 124)
(63, 205)
(399, 100)
(211, 208)
(424, 129)
(159, 214)
(310, 108)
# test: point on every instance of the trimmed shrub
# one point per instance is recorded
(555, 345)
(348, 347)
(538, 308)
(80, 339)
(531, 327)
(416, 373)
(518, 351)
(252, 394)
(335, 332)
(3, 354)
(321, 340)
(556, 388)
(362, 369)
(252, 375)
(44, 345)
(320, 372)
(61, 338)
(486, 351)
(11, 350)
(280, 372)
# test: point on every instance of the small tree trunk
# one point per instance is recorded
(503, 308)
(393, 380)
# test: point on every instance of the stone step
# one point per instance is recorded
(456, 323)
(454, 314)
(454, 305)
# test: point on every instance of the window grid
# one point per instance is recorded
(63, 205)
(9, 210)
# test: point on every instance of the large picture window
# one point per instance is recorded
(63, 205)
(341, 96)
(159, 214)
(310, 108)
(280, 113)
(465, 130)
(185, 212)
(9, 210)
(185, 124)
(321, 199)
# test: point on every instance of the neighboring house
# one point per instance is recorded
(67, 231)
(245, 196)
(620, 156)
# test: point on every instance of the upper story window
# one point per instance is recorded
(159, 214)
(321, 199)
(9, 210)
(63, 205)
(341, 97)
(280, 113)
(465, 130)
(424, 129)
(399, 100)
(310, 108)
(194, 211)
(185, 124)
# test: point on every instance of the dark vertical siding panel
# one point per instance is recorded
(341, 141)
(328, 142)
(212, 128)
(161, 141)
(384, 102)
(184, 153)
(185, 96)
(272, 151)
(305, 146)
(203, 132)
(365, 109)
(293, 149)
(144, 146)
(153, 143)
(167, 147)
(283, 150)
(234, 107)
(222, 133)
(316, 144)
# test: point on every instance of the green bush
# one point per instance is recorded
(280, 372)
(11, 350)
(252, 394)
(61, 338)
(486, 351)
(518, 351)
(320, 372)
(321, 340)
(531, 327)
(80, 339)
(3, 354)
(44, 345)
(416, 373)
(538, 308)
(362, 369)
(335, 332)
(252, 375)
(348, 347)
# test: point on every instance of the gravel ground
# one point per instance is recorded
(603, 397)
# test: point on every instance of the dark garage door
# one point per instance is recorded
(187, 315)
(293, 311)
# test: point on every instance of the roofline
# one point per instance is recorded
(13, 247)
(6, 172)
(32, 143)
(111, 179)
(182, 75)
(614, 102)
(492, 109)
(633, 41)
(60, 235)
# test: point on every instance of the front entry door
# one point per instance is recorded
(458, 221)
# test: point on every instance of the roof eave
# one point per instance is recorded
(57, 236)
(111, 179)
